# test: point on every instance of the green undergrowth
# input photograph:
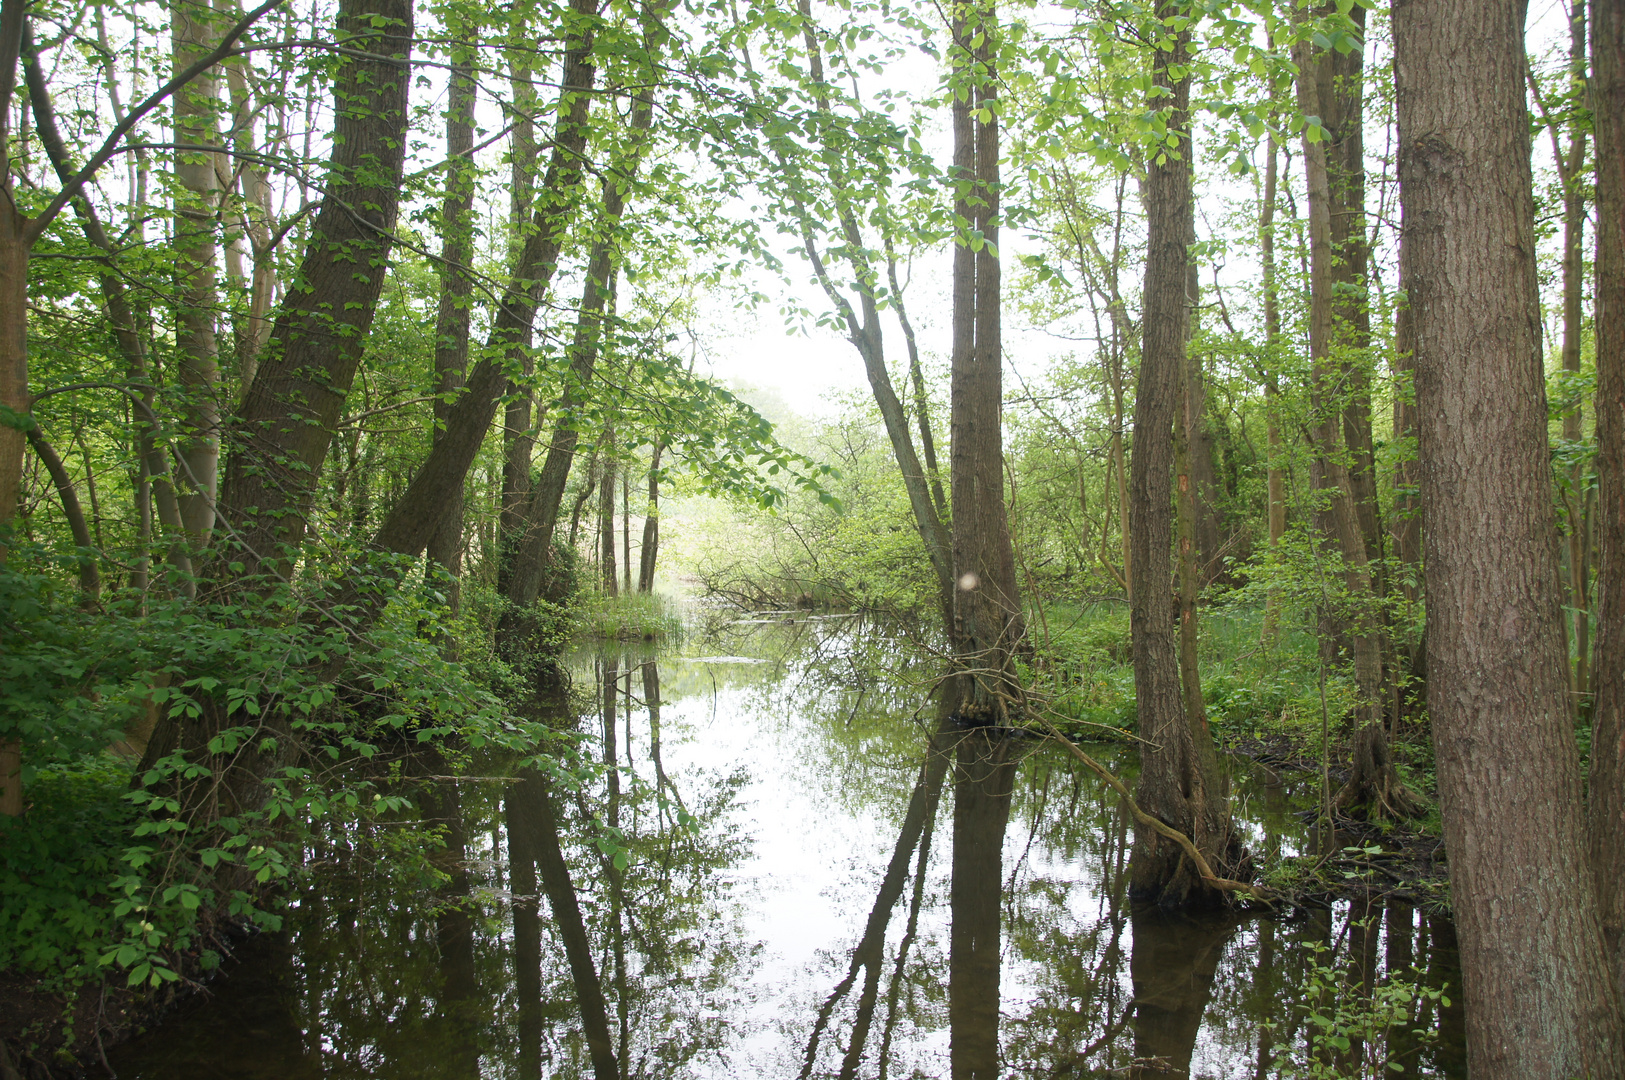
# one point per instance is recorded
(628, 617)
(1251, 687)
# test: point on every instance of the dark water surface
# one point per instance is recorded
(814, 883)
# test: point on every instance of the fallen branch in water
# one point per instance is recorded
(1257, 892)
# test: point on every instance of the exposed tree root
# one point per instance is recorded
(1203, 869)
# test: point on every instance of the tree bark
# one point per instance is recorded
(288, 417)
(607, 578)
(1173, 784)
(445, 548)
(988, 625)
(649, 549)
(1607, 779)
(197, 206)
(1540, 1000)
(1276, 475)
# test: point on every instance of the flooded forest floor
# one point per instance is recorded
(781, 866)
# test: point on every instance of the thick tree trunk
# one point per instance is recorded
(1173, 785)
(1541, 1004)
(320, 332)
(988, 623)
(1607, 780)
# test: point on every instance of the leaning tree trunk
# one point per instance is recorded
(1173, 784)
(1607, 787)
(317, 343)
(987, 623)
(1540, 1001)
(320, 332)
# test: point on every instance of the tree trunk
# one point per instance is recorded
(608, 580)
(1607, 781)
(1540, 1001)
(320, 332)
(1173, 784)
(1276, 477)
(197, 204)
(445, 548)
(1334, 169)
(650, 547)
(416, 513)
(988, 622)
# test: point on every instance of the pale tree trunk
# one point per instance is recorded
(1607, 780)
(518, 442)
(1540, 1002)
(987, 617)
(197, 202)
(254, 328)
(1174, 785)
(445, 548)
(1405, 523)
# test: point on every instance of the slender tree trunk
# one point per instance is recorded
(1405, 523)
(650, 547)
(252, 332)
(1607, 780)
(1173, 784)
(988, 622)
(608, 579)
(197, 202)
(1329, 87)
(1276, 475)
(445, 548)
(90, 581)
(1541, 1004)
(416, 513)
(1574, 215)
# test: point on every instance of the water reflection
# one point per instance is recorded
(743, 873)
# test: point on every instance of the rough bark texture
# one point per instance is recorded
(988, 625)
(1172, 784)
(1540, 1001)
(320, 332)
(1607, 787)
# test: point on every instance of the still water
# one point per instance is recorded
(779, 866)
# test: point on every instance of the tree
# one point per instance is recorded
(987, 616)
(1540, 1002)
(1607, 786)
(1179, 778)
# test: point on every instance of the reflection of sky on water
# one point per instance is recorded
(802, 739)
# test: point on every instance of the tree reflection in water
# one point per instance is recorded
(784, 906)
